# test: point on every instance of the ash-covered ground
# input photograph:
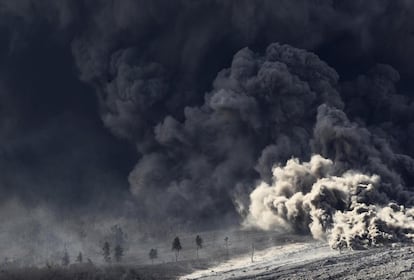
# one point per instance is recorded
(249, 255)
(316, 261)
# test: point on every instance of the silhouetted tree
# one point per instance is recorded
(79, 258)
(106, 252)
(65, 258)
(153, 254)
(176, 247)
(199, 243)
(118, 253)
(226, 241)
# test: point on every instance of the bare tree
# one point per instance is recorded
(118, 253)
(176, 247)
(106, 252)
(199, 243)
(153, 254)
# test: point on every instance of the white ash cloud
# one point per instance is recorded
(348, 209)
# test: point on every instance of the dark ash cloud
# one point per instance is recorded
(180, 108)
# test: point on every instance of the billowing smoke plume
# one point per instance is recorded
(348, 209)
(262, 111)
(358, 193)
(193, 149)
(205, 161)
(199, 156)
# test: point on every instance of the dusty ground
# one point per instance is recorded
(275, 257)
(386, 263)
(316, 261)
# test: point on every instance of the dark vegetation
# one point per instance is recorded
(176, 247)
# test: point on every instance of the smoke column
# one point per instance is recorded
(202, 114)
(352, 192)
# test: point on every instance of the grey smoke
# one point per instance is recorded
(355, 197)
(258, 101)
(288, 97)
(202, 136)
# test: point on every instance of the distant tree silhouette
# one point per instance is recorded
(199, 243)
(79, 258)
(176, 247)
(106, 252)
(153, 254)
(65, 258)
(118, 253)
(226, 241)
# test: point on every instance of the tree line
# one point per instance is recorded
(115, 254)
